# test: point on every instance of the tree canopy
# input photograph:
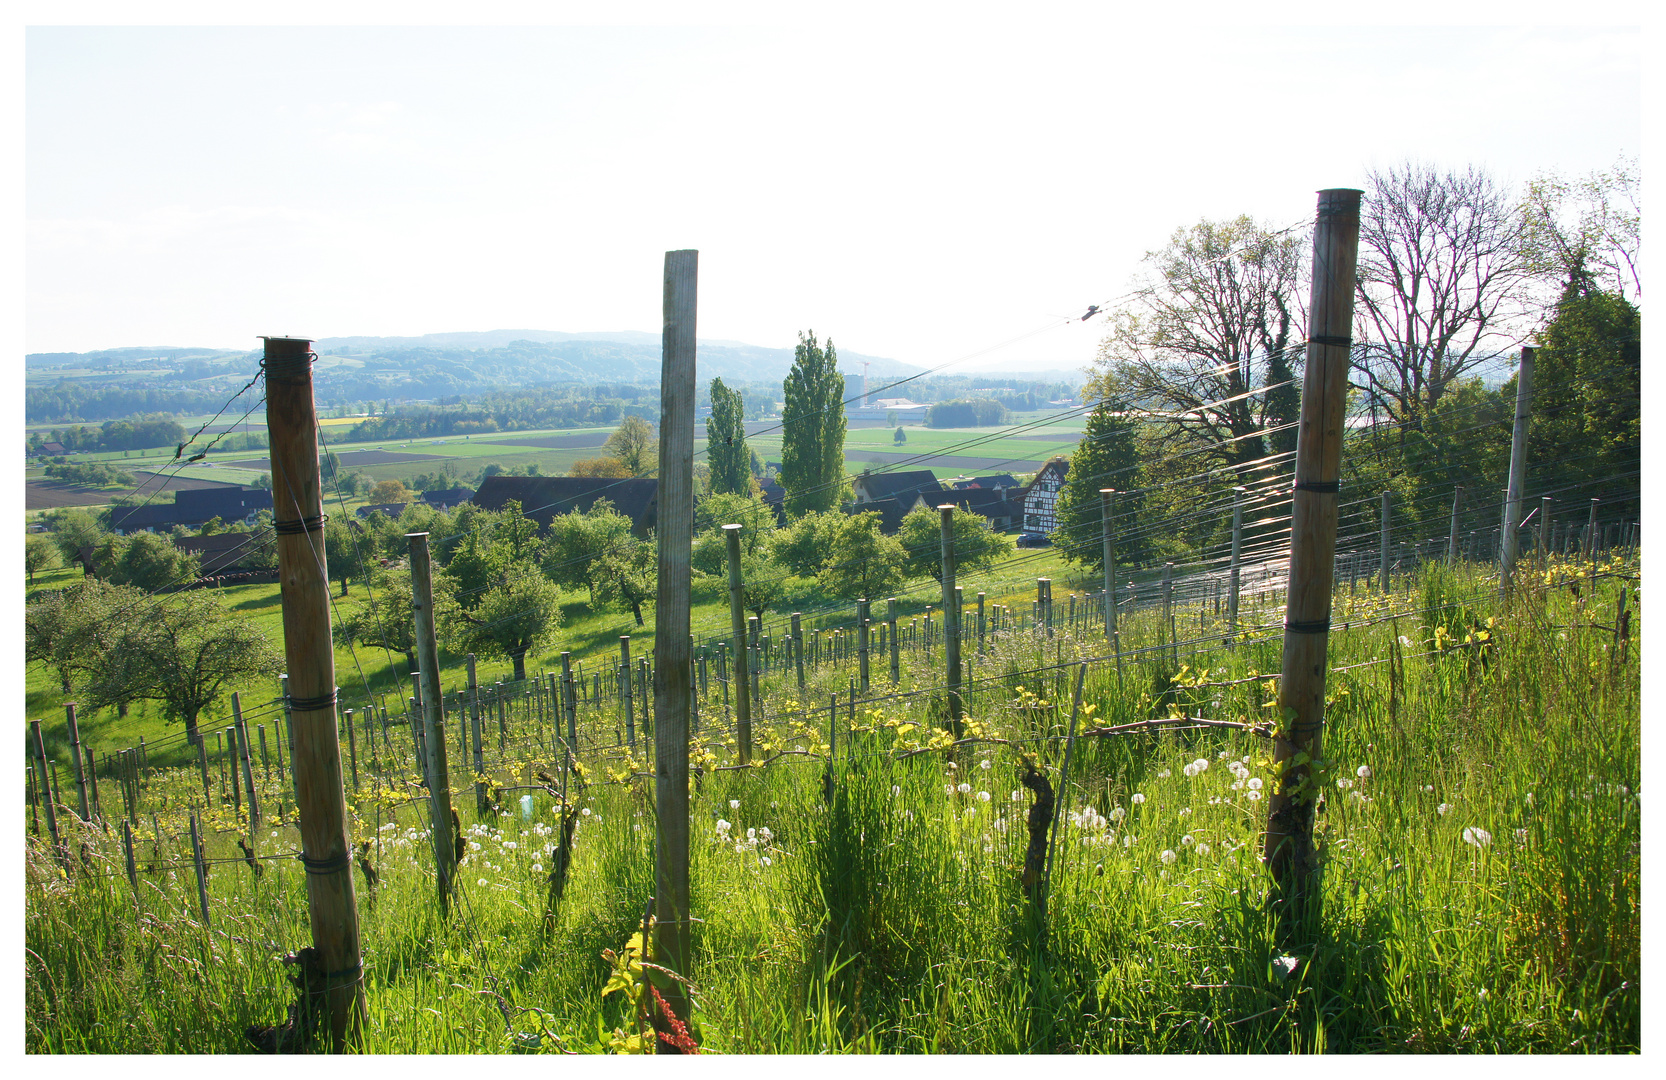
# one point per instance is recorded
(976, 545)
(1107, 457)
(813, 429)
(726, 450)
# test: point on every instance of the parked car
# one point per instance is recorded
(1035, 540)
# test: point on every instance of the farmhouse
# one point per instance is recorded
(991, 504)
(1042, 496)
(392, 510)
(222, 553)
(543, 497)
(999, 480)
(232, 504)
(903, 486)
(450, 497)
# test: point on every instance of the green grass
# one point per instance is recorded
(891, 919)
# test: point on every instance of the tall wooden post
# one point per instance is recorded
(433, 715)
(202, 872)
(1168, 606)
(81, 773)
(569, 699)
(1452, 533)
(951, 622)
(92, 783)
(315, 754)
(1235, 573)
(1544, 531)
(1591, 533)
(672, 692)
(38, 745)
(798, 647)
(737, 623)
(981, 623)
(1509, 528)
(1107, 533)
(1289, 844)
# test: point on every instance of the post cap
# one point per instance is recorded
(726, 528)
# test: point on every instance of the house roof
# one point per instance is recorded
(193, 506)
(220, 553)
(885, 485)
(392, 510)
(998, 480)
(449, 497)
(543, 497)
(891, 511)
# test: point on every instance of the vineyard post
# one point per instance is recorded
(92, 784)
(671, 626)
(1452, 533)
(1168, 606)
(1382, 559)
(127, 856)
(951, 621)
(315, 756)
(1509, 531)
(433, 715)
(892, 606)
(1235, 574)
(202, 763)
(474, 731)
(265, 761)
(46, 790)
(625, 687)
(34, 793)
(737, 622)
(289, 732)
(1289, 843)
(1544, 532)
(569, 700)
(798, 647)
(352, 748)
(1591, 533)
(862, 642)
(80, 770)
(245, 759)
(981, 623)
(202, 871)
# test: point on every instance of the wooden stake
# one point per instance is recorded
(127, 854)
(1289, 843)
(1452, 533)
(798, 648)
(474, 731)
(202, 870)
(1509, 535)
(315, 755)
(248, 763)
(671, 626)
(891, 608)
(92, 781)
(39, 746)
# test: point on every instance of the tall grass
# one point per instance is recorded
(1480, 887)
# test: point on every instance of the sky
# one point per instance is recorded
(927, 190)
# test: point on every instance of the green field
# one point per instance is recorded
(1480, 829)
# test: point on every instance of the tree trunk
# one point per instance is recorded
(344, 584)
(520, 665)
(192, 736)
(636, 609)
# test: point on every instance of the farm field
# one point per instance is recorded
(860, 892)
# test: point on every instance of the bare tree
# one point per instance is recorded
(1206, 345)
(1445, 283)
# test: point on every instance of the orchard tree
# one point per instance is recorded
(813, 430)
(390, 492)
(1586, 233)
(39, 553)
(144, 560)
(864, 562)
(596, 548)
(807, 545)
(516, 615)
(607, 468)
(73, 530)
(976, 545)
(384, 620)
(726, 450)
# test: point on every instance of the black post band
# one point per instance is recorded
(300, 525)
(1334, 340)
(1321, 626)
(335, 864)
(1319, 487)
(310, 704)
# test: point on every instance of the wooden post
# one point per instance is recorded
(228, 762)
(315, 756)
(352, 747)
(265, 761)
(951, 621)
(671, 626)
(1509, 534)
(1452, 533)
(1544, 531)
(433, 716)
(982, 623)
(1289, 847)
(39, 746)
(1591, 533)
(243, 756)
(1168, 604)
(625, 685)
(92, 783)
(127, 855)
(80, 771)
(862, 640)
(737, 622)
(1382, 568)
(202, 871)
(798, 648)
(474, 734)
(1234, 574)
(1107, 537)
(891, 608)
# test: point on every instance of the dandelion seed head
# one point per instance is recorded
(983, 796)
(1363, 772)
(964, 789)
(1475, 836)
(1443, 809)
(1167, 855)
(1137, 798)
(734, 804)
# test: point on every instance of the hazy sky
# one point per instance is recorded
(917, 191)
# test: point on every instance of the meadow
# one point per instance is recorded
(1480, 826)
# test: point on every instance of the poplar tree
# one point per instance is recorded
(813, 430)
(731, 461)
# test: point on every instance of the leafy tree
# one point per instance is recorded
(595, 548)
(900, 437)
(39, 553)
(970, 412)
(726, 450)
(519, 613)
(389, 492)
(808, 544)
(1212, 326)
(212, 527)
(1586, 233)
(632, 442)
(49, 631)
(1588, 432)
(343, 559)
(813, 430)
(494, 541)
(865, 562)
(93, 474)
(1444, 280)
(976, 545)
(144, 560)
(385, 619)
(183, 653)
(1107, 457)
(607, 468)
